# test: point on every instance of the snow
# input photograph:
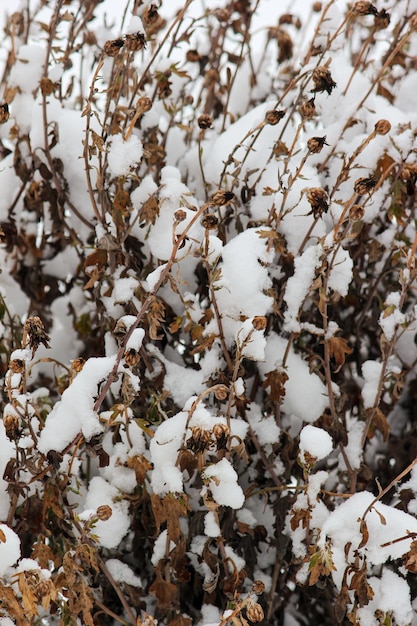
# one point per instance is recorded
(340, 275)
(211, 525)
(222, 481)
(392, 596)
(240, 289)
(299, 284)
(109, 532)
(385, 524)
(160, 549)
(371, 372)
(74, 413)
(123, 154)
(122, 573)
(391, 317)
(9, 548)
(265, 260)
(316, 442)
(164, 447)
(305, 395)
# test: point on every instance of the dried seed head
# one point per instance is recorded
(144, 104)
(4, 113)
(150, 14)
(205, 121)
(258, 587)
(35, 329)
(112, 47)
(364, 185)
(104, 512)
(322, 80)
(363, 8)
(210, 221)
(409, 172)
(193, 56)
(382, 20)
(11, 426)
(382, 127)
(222, 198)
(315, 144)
(259, 322)
(199, 440)
(221, 433)
(221, 392)
(288, 18)
(221, 14)
(317, 7)
(317, 199)
(77, 365)
(254, 611)
(285, 45)
(17, 366)
(180, 215)
(356, 212)
(135, 42)
(131, 357)
(307, 109)
(120, 330)
(273, 117)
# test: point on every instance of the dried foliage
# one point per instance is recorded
(208, 313)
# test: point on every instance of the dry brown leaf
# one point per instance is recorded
(338, 349)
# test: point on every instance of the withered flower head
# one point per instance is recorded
(317, 199)
(221, 197)
(210, 221)
(317, 7)
(221, 392)
(11, 426)
(315, 144)
(113, 47)
(199, 440)
(363, 8)
(104, 512)
(288, 18)
(307, 109)
(364, 185)
(221, 433)
(285, 45)
(77, 365)
(193, 56)
(382, 127)
(258, 587)
(254, 611)
(205, 121)
(322, 80)
(150, 15)
(382, 20)
(131, 357)
(259, 322)
(356, 212)
(409, 172)
(135, 41)
(4, 113)
(180, 215)
(273, 117)
(35, 330)
(17, 366)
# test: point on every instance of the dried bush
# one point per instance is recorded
(208, 313)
